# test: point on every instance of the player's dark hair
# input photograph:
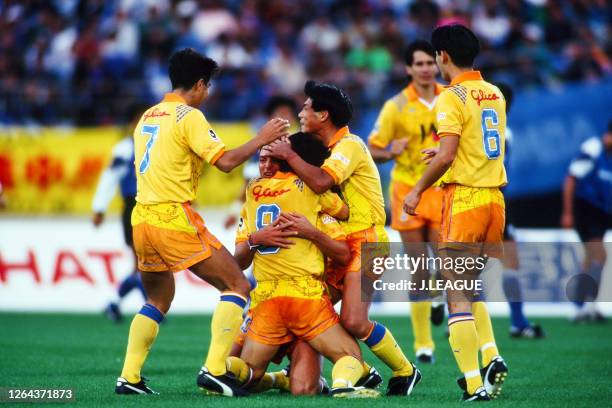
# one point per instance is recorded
(277, 101)
(330, 98)
(458, 41)
(418, 45)
(310, 149)
(187, 66)
(508, 94)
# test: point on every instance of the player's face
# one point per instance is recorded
(423, 69)
(268, 166)
(309, 119)
(440, 56)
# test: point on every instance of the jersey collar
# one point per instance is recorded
(467, 76)
(412, 94)
(339, 135)
(282, 175)
(172, 97)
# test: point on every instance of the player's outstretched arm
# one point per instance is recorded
(316, 178)
(274, 129)
(337, 250)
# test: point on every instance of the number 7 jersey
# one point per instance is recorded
(171, 141)
(474, 110)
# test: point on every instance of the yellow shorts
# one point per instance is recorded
(170, 237)
(334, 274)
(473, 215)
(429, 210)
(280, 320)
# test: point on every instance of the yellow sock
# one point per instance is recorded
(266, 383)
(464, 344)
(421, 325)
(366, 370)
(384, 346)
(224, 327)
(486, 338)
(239, 368)
(281, 381)
(143, 331)
(346, 372)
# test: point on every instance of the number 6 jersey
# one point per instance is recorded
(474, 110)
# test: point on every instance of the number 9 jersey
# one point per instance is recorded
(474, 110)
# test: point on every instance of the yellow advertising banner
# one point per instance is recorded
(56, 170)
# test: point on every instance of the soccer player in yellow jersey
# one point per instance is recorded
(404, 128)
(289, 301)
(327, 112)
(171, 141)
(471, 124)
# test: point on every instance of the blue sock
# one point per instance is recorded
(512, 290)
(129, 283)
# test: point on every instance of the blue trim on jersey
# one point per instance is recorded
(378, 332)
(234, 299)
(459, 314)
(152, 312)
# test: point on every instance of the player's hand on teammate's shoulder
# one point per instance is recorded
(398, 146)
(298, 223)
(98, 218)
(273, 130)
(429, 154)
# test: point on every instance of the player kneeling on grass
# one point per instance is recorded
(289, 301)
(303, 375)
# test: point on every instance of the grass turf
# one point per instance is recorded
(571, 367)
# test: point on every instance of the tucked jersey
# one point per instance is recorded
(352, 168)
(593, 172)
(407, 116)
(266, 198)
(474, 110)
(171, 142)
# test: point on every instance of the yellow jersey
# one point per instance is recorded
(295, 271)
(474, 110)
(171, 142)
(352, 168)
(407, 116)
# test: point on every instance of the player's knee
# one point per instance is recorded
(240, 286)
(356, 326)
(305, 387)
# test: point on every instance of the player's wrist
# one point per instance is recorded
(252, 241)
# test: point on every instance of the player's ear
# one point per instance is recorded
(408, 70)
(322, 115)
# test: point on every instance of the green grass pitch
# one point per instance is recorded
(572, 367)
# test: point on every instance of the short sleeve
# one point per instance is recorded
(343, 160)
(449, 116)
(201, 138)
(384, 128)
(331, 203)
(242, 231)
(330, 227)
(584, 163)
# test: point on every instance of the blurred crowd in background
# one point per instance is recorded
(83, 62)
